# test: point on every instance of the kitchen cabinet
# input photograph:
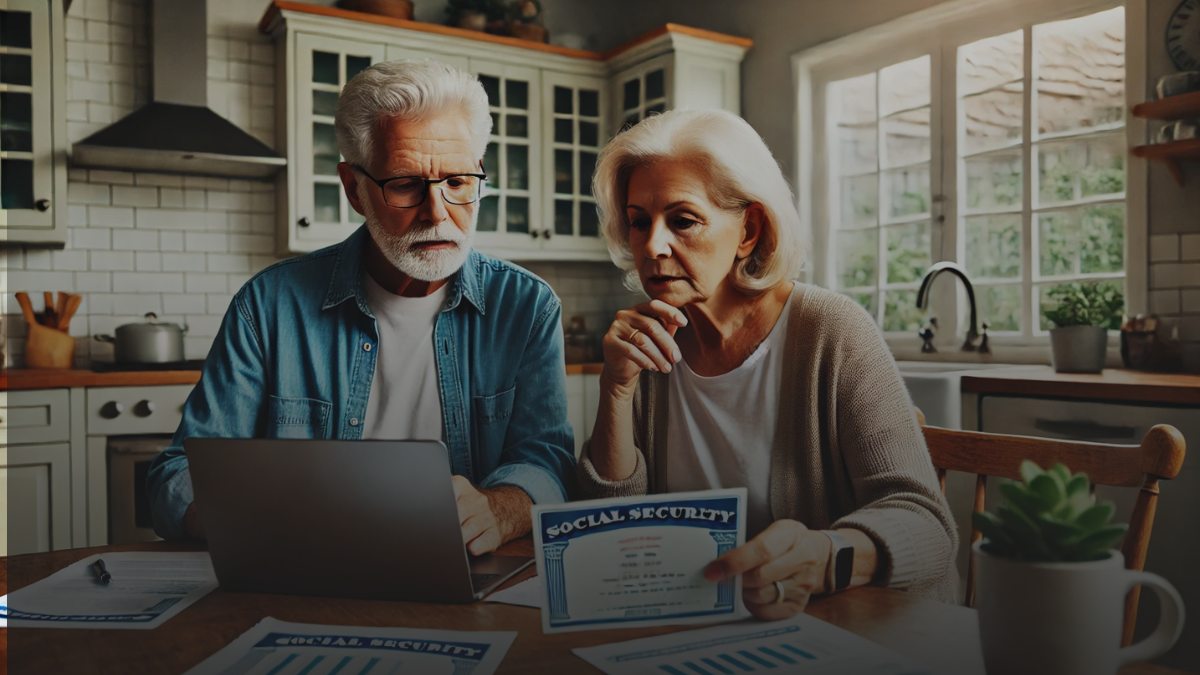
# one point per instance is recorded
(33, 167)
(35, 471)
(553, 109)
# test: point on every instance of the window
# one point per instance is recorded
(1001, 147)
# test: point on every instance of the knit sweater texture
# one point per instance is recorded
(848, 451)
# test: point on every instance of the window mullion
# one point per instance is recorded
(1029, 249)
(944, 123)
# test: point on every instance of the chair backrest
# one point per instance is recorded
(1158, 457)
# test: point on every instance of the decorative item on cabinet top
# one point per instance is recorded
(553, 109)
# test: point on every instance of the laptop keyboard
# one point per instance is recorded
(481, 581)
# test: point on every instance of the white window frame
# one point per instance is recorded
(938, 32)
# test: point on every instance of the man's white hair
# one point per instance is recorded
(410, 90)
(738, 170)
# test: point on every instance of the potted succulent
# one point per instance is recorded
(1082, 314)
(1050, 588)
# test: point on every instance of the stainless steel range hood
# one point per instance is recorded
(178, 133)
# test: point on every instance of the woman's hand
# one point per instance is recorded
(640, 338)
(787, 552)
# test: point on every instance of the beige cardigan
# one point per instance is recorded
(848, 451)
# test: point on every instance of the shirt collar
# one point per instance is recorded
(347, 279)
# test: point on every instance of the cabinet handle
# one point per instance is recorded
(112, 409)
(533, 233)
(304, 222)
(546, 233)
(1083, 430)
(144, 408)
(42, 204)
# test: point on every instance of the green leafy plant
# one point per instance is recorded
(1077, 304)
(1049, 516)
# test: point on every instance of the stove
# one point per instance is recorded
(114, 367)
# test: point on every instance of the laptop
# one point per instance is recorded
(348, 519)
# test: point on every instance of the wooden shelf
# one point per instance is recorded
(1171, 154)
(1172, 108)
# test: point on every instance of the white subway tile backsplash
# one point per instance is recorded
(184, 262)
(37, 259)
(135, 240)
(1164, 302)
(134, 196)
(262, 53)
(96, 52)
(36, 281)
(217, 303)
(107, 176)
(91, 238)
(92, 282)
(101, 113)
(1190, 248)
(193, 198)
(238, 50)
(218, 69)
(111, 261)
(170, 219)
(88, 193)
(251, 243)
(170, 197)
(206, 241)
(204, 325)
(77, 70)
(110, 216)
(70, 260)
(158, 180)
(98, 304)
(76, 29)
(170, 241)
(135, 305)
(228, 262)
(189, 303)
(206, 283)
(1190, 300)
(147, 282)
(147, 261)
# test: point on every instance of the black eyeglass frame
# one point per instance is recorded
(429, 182)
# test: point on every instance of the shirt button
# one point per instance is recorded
(353, 421)
(367, 346)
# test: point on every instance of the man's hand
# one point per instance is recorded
(192, 527)
(492, 516)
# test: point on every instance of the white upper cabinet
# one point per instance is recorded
(32, 123)
(553, 110)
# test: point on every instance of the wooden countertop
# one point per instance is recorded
(53, 378)
(584, 368)
(1112, 384)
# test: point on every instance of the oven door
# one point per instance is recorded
(129, 459)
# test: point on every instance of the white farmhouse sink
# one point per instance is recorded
(935, 388)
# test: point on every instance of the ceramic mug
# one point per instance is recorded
(1065, 618)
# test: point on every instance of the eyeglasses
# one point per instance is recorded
(405, 192)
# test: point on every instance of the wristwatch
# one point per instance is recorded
(841, 562)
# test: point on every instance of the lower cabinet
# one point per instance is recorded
(35, 487)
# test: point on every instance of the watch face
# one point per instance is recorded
(1183, 35)
(843, 567)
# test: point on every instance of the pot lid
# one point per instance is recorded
(151, 325)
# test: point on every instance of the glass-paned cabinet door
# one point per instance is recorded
(642, 91)
(574, 132)
(26, 147)
(509, 211)
(323, 66)
(398, 53)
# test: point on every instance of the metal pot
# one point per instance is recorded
(150, 342)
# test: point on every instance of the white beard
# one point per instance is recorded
(421, 264)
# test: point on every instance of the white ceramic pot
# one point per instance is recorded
(1065, 618)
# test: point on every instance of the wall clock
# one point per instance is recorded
(1183, 35)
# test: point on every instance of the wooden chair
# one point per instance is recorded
(1158, 457)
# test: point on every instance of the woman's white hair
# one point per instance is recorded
(738, 171)
(411, 90)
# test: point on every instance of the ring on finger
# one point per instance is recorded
(779, 590)
(633, 335)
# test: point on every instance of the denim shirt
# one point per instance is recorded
(295, 357)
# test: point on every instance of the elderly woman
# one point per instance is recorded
(733, 375)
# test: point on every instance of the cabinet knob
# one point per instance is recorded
(533, 233)
(304, 222)
(111, 409)
(42, 204)
(546, 233)
(143, 408)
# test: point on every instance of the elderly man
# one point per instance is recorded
(401, 331)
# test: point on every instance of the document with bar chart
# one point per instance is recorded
(799, 645)
(276, 647)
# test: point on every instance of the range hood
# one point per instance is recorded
(178, 133)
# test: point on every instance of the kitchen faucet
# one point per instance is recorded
(973, 333)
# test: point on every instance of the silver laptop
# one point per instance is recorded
(347, 519)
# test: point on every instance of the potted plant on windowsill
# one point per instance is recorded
(1051, 590)
(1082, 314)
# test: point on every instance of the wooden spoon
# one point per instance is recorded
(61, 305)
(72, 305)
(49, 316)
(26, 307)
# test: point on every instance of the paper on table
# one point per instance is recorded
(803, 644)
(528, 593)
(147, 589)
(275, 646)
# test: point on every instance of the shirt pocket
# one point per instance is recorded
(298, 418)
(492, 414)
(496, 408)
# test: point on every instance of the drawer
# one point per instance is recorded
(35, 416)
(117, 411)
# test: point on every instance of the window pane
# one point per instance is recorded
(1074, 170)
(355, 65)
(563, 100)
(852, 101)
(488, 213)
(324, 103)
(859, 149)
(587, 167)
(325, 67)
(518, 167)
(564, 172)
(655, 85)
(860, 200)
(633, 90)
(858, 258)
(993, 119)
(16, 184)
(989, 63)
(564, 131)
(495, 123)
(589, 134)
(589, 102)
(564, 217)
(865, 300)
(900, 311)
(491, 85)
(517, 126)
(16, 69)
(516, 94)
(906, 137)
(518, 215)
(994, 246)
(908, 252)
(1083, 240)
(994, 181)
(14, 30)
(904, 85)
(998, 306)
(491, 166)
(16, 122)
(589, 220)
(1080, 72)
(325, 203)
(656, 108)
(908, 191)
(325, 150)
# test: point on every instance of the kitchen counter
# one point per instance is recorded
(53, 378)
(584, 368)
(1112, 384)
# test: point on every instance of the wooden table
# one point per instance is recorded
(944, 637)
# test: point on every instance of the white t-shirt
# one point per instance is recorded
(404, 403)
(720, 429)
